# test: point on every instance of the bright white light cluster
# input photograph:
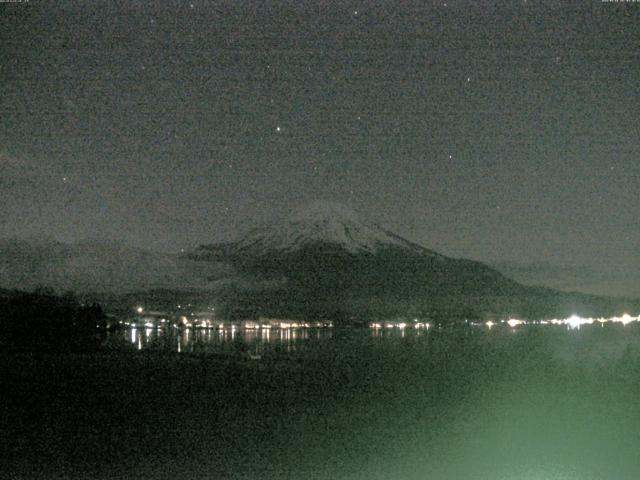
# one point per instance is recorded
(573, 322)
(401, 325)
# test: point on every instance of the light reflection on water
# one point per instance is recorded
(487, 402)
(468, 402)
(259, 340)
(252, 341)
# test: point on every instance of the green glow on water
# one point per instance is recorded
(531, 403)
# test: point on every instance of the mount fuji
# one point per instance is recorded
(318, 261)
(326, 241)
(323, 223)
(326, 257)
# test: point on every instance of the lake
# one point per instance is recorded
(532, 402)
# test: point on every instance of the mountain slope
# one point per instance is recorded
(327, 262)
(608, 279)
(326, 239)
(326, 255)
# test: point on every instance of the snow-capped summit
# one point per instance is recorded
(326, 223)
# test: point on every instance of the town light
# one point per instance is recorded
(513, 322)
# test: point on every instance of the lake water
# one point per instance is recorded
(534, 402)
(253, 342)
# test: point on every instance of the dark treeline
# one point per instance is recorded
(43, 321)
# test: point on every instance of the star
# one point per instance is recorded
(278, 129)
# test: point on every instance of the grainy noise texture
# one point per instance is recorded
(498, 131)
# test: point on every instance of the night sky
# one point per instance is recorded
(488, 130)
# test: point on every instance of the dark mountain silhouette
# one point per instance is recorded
(330, 263)
(319, 261)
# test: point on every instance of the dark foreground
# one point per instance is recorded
(536, 403)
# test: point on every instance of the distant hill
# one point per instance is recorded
(96, 266)
(611, 280)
